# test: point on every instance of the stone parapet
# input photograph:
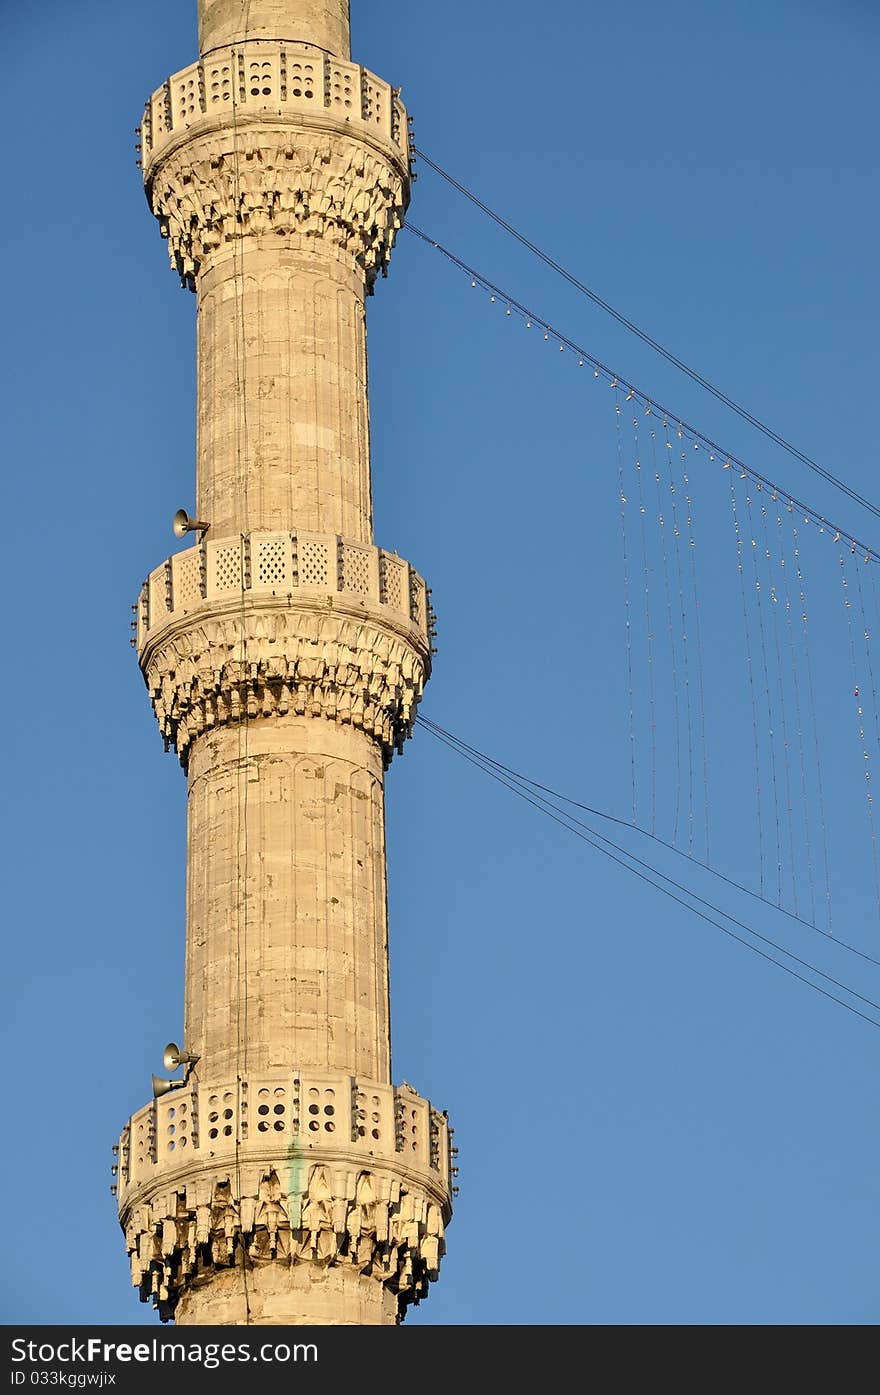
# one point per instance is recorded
(271, 137)
(282, 565)
(271, 78)
(289, 1168)
(275, 623)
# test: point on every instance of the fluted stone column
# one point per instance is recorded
(286, 1180)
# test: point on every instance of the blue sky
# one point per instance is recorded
(655, 1126)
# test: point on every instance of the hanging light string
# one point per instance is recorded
(798, 712)
(811, 691)
(863, 620)
(695, 593)
(646, 339)
(858, 700)
(602, 372)
(652, 704)
(646, 872)
(627, 611)
(554, 794)
(866, 631)
(876, 598)
(685, 647)
(751, 677)
(670, 631)
(701, 701)
(765, 673)
(773, 599)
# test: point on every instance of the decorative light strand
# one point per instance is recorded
(641, 334)
(799, 724)
(783, 722)
(751, 676)
(811, 690)
(676, 533)
(691, 761)
(692, 434)
(860, 723)
(528, 792)
(876, 596)
(627, 610)
(866, 631)
(701, 699)
(652, 703)
(559, 798)
(670, 629)
(753, 542)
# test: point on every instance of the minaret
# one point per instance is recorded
(283, 1179)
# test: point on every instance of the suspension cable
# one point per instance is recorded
(698, 438)
(646, 338)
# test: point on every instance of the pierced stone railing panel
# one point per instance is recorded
(279, 564)
(264, 77)
(294, 1167)
(315, 1109)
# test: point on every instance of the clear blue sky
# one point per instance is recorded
(655, 1126)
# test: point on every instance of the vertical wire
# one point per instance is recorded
(766, 675)
(811, 690)
(670, 630)
(866, 630)
(244, 686)
(860, 721)
(676, 533)
(685, 640)
(798, 712)
(652, 706)
(751, 675)
(870, 665)
(783, 722)
(621, 489)
(875, 597)
(692, 547)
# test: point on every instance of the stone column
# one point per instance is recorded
(285, 1180)
(283, 430)
(287, 957)
(323, 23)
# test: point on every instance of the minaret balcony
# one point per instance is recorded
(269, 79)
(271, 623)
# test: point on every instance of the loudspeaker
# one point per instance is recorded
(172, 1057)
(183, 524)
(164, 1087)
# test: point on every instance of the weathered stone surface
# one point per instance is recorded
(297, 183)
(286, 900)
(220, 1182)
(324, 23)
(275, 624)
(287, 1181)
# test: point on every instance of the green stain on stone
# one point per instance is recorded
(297, 1182)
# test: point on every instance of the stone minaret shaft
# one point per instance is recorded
(285, 1180)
